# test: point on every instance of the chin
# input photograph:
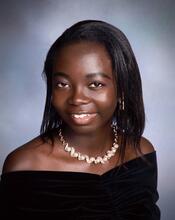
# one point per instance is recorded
(87, 129)
(83, 129)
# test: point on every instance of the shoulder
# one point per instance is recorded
(23, 157)
(146, 146)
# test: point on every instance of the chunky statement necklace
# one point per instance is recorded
(71, 150)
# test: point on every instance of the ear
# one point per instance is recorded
(51, 101)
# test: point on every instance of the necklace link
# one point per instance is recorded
(96, 160)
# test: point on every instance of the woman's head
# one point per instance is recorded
(83, 87)
(129, 111)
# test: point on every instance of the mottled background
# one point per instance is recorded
(27, 30)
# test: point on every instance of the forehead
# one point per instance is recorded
(83, 57)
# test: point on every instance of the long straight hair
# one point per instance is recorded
(130, 119)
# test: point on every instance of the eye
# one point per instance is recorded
(96, 85)
(62, 85)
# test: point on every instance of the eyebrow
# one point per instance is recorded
(60, 74)
(89, 75)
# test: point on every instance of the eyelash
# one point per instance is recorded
(63, 85)
(96, 85)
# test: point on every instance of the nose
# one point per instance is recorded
(78, 96)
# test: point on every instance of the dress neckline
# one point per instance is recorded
(79, 173)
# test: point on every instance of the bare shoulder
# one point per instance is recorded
(22, 157)
(146, 146)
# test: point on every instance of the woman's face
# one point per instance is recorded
(84, 90)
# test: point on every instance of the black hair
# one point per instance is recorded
(131, 117)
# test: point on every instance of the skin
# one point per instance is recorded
(83, 81)
(78, 85)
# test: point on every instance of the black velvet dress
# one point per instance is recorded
(122, 193)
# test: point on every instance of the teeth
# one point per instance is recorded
(80, 115)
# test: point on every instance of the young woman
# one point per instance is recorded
(90, 161)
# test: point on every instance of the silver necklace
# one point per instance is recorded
(110, 153)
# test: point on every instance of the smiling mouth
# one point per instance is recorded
(83, 118)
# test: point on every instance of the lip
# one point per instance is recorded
(82, 112)
(82, 118)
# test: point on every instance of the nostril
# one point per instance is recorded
(78, 101)
(78, 98)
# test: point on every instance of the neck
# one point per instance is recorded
(93, 144)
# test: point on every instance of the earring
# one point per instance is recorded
(122, 104)
(60, 123)
(114, 121)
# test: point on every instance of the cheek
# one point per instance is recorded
(57, 100)
(107, 101)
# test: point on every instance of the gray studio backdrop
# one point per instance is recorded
(27, 30)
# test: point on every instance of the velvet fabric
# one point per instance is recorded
(122, 193)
